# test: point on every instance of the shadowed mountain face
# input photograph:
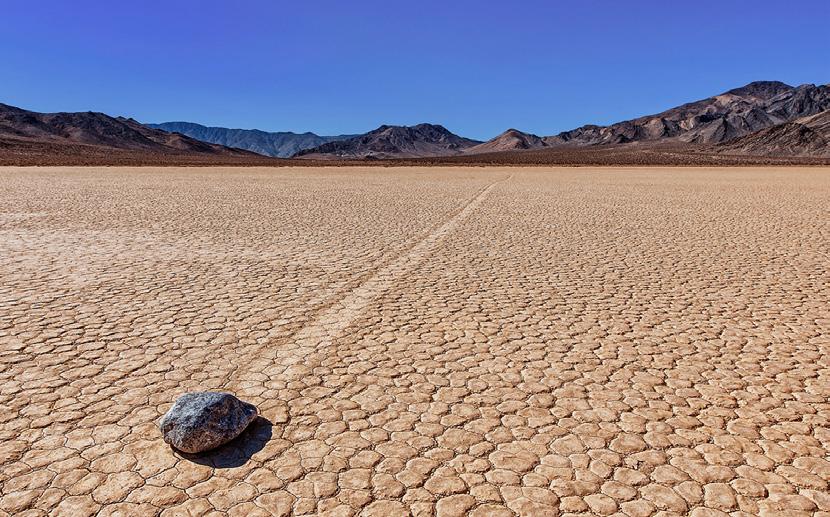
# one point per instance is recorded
(281, 144)
(395, 142)
(24, 129)
(510, 140)
(732, 114)
(807, 136)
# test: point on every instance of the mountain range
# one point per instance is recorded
(97, 137)
(281, 144)
(767, 119)
(734, 114)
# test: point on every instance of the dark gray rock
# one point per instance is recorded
(396, 142)
(203, 420)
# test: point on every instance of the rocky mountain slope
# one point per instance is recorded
(29, 130)
(806, 136)
(280, 144)
(717, 119)
(510, 140)
(765, 119)
(394, 142)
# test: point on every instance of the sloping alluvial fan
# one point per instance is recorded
(732, 114)
(280, 144)
(19, 127)
(395, 142)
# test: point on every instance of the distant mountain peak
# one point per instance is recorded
(388, 141)
(282, 144)
(761, 89)
(422, 127)
(716, 119)
(510, 140)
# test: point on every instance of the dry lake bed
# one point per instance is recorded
(424, 341)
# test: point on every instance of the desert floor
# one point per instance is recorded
(454, 341)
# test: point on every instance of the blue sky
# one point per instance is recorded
(347, 66)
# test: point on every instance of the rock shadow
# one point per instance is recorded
(238, 451)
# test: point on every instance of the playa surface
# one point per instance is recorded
(426, 341)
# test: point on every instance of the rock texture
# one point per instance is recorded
(723, 117)
(395, 142)
(279, 144)
(204, 420)
(807, 136)
(20, 128)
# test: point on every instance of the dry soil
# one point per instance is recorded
(426, 341)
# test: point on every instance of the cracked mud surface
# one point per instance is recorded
(425, 341)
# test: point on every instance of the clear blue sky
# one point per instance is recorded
(347, 66)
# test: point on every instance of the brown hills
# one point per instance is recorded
(732, 114)
(764, 122)
(687, 134)
(28, 137)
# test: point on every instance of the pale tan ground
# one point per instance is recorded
(429, 341)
